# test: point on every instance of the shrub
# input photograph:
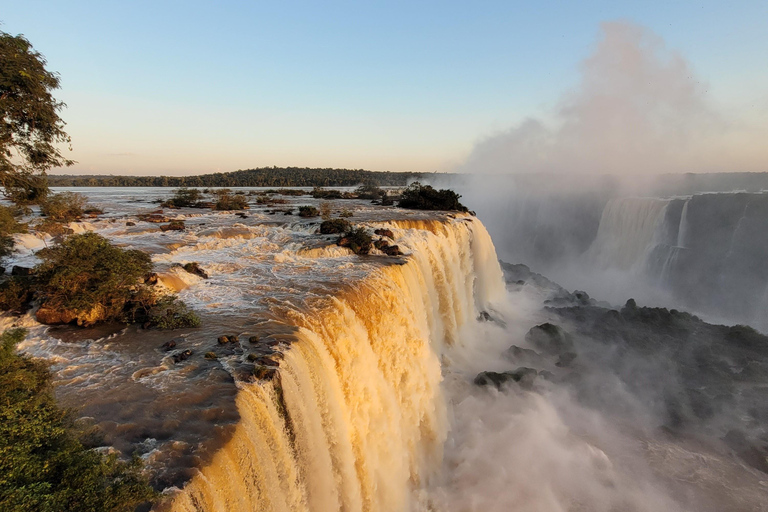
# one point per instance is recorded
(325, 210)
(171, 313)
(308, 211)
(322, 193)
(44, 462)
(53, 228)
(85, 272)
(423, 197)
(64, 206)
(335, 226)
(8, 226)
(369, 192)
(183, 198)
(358, 240)
(345, 213)
(227, 201)
(16, 293)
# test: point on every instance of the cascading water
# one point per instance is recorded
(355, 419)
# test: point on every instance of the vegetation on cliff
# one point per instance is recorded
(45, 463)
(423, 197)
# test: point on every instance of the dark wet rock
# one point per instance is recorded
(129, 223)
(385, 232)
(750, 451)
(57, 316)
(181, 356)
(550, 339)
(156, 217)
(485, 316)
(241, 215)
(566, 359)
(393, 250)
(151, 278)
(211, 355)
(223, 340)
(253, 339)
(174, 225)
(169, 345)
(2, 270)
(17, 270)
(381, 244)
(263, 372)
(234, 338)
(523, 376)
(524, 356)
(194, 268)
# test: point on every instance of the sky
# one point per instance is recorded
(180, 88)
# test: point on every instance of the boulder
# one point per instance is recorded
(129, 223)
(53, 316)
(523, 376)
(393, 250)
(550, 339)
(181, 356)
(253, 339)
(385, 232)
(174, 225)
(194, 268)
(264, 373)
(169, 345)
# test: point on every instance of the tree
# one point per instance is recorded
(30, 126)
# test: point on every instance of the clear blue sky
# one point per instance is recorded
(191, 87)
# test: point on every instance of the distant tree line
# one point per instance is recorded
(261, 177)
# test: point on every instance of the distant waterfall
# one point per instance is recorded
(627, 228)
(356, 419)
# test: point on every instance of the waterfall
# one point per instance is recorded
(682, 230)
(626, 232)
(355, 418)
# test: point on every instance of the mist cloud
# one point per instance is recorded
(638, 108)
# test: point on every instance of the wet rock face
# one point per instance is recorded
(523, 376)
(549, 339)
(57, 316)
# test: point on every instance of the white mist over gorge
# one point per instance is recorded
(639, 109)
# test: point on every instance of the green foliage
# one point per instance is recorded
(262, 177)
(183, 198)
(30, 126)
(52, 227)
(85, 271)
(358, 240)
(308, 211)
(8, 226)
(64, 206)
(43, 463)
(226, 201)
(171, 313)
(423, 197)
(334, 226)
(16, 293)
